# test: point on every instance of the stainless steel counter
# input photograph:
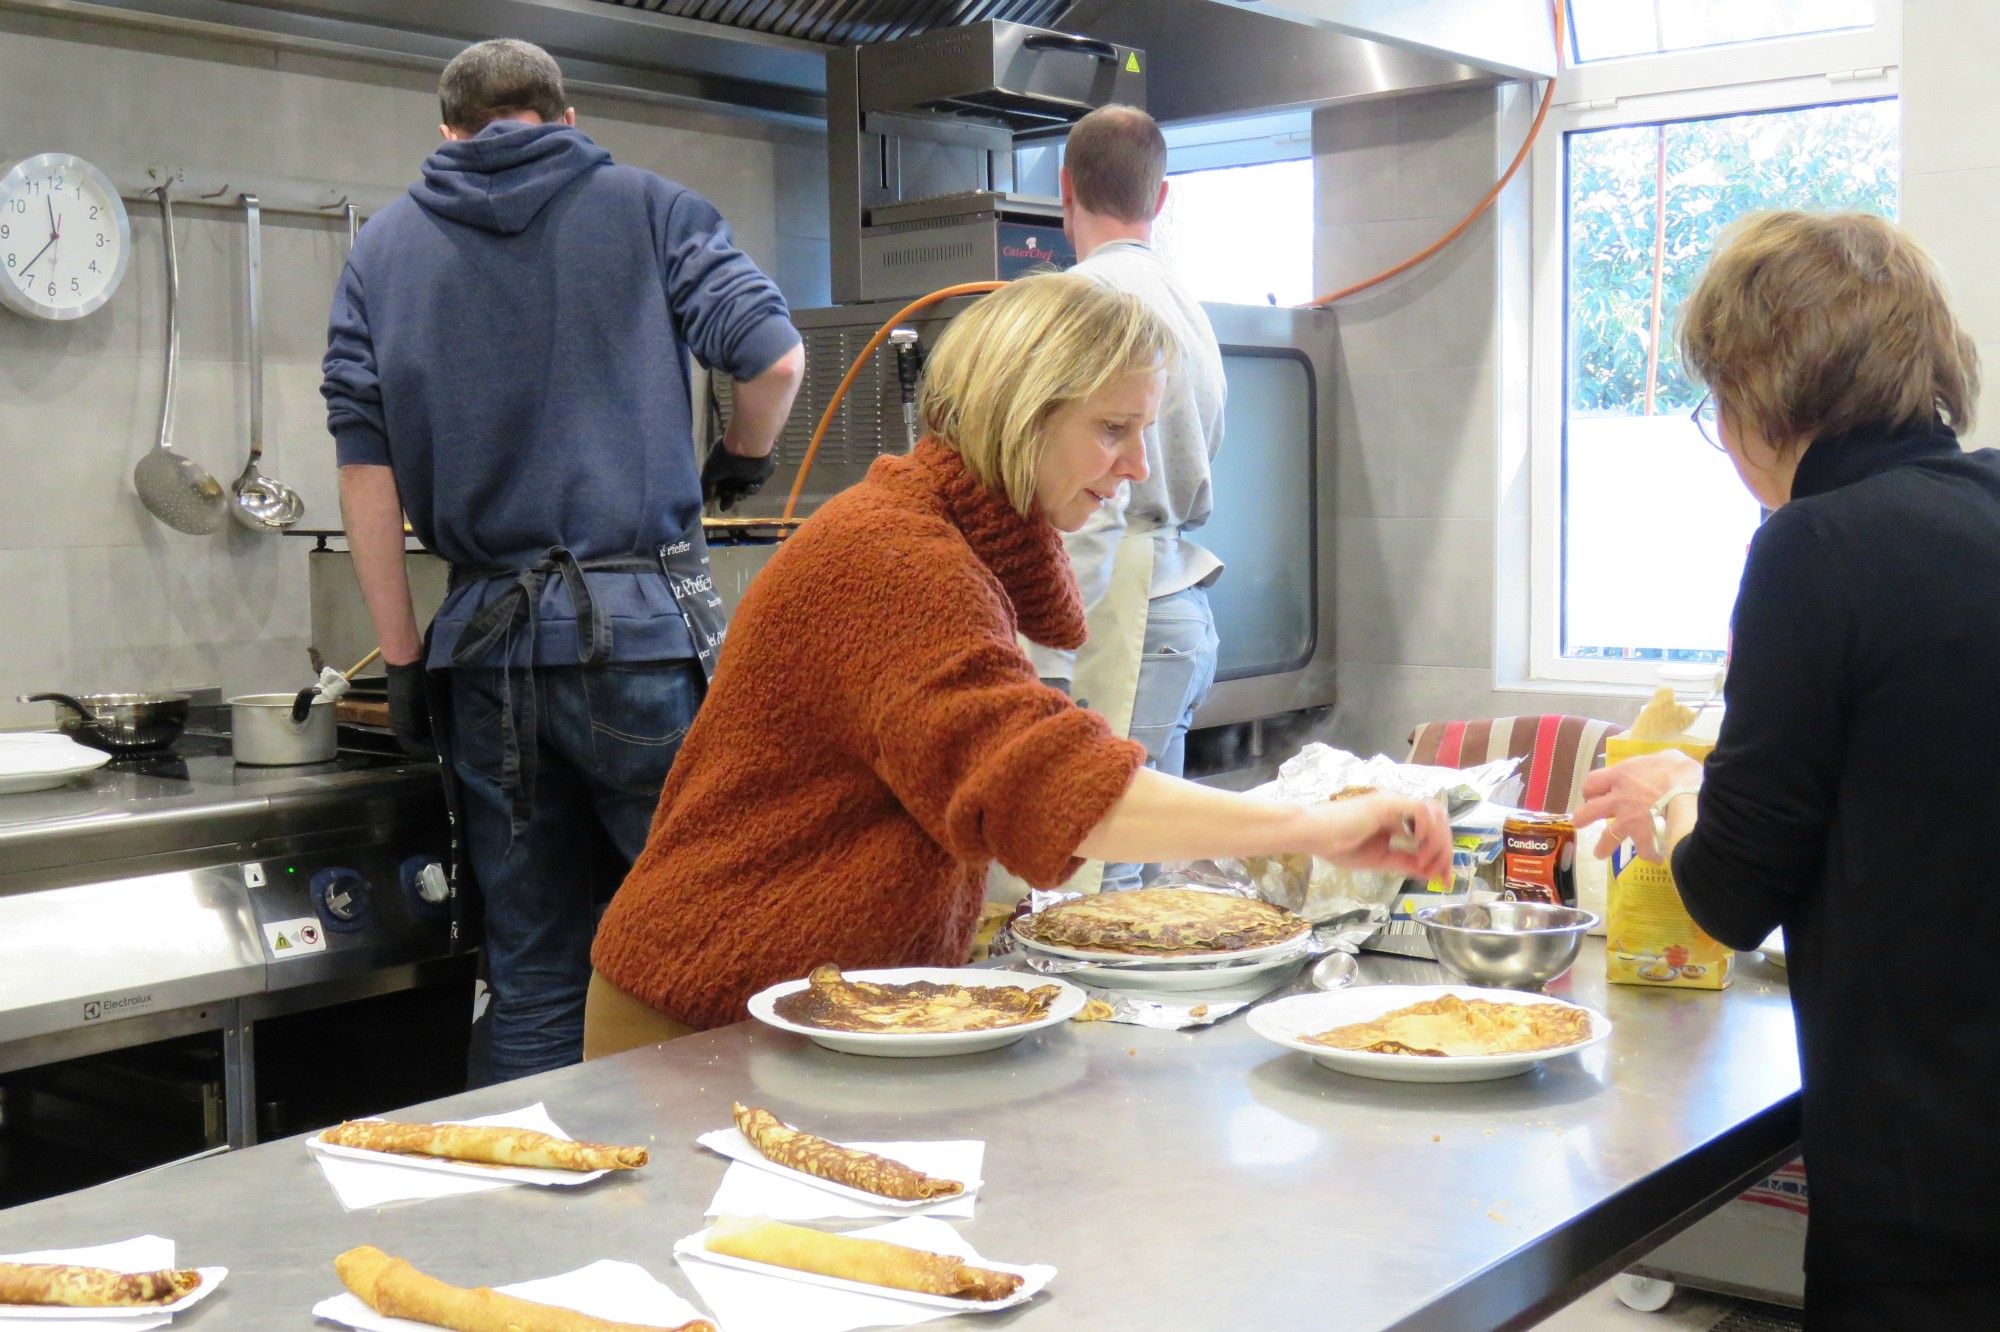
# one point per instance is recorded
(1198, 1179)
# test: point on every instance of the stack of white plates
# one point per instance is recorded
(38, 760)
(1182, 971)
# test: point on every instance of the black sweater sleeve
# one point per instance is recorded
(1768, 795)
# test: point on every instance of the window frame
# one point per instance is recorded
(1780, 74)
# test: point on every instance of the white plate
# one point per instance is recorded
(919, 1043)
(1166, 960)
(1287, 1020)
(39, 760)
(1161, 980)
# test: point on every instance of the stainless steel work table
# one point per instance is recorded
(1177, 1179)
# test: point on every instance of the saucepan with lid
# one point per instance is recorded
(119, 723)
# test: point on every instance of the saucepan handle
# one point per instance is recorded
(66, 700)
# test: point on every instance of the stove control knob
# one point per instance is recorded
(426, 888)
(344, 899)
(432, 885)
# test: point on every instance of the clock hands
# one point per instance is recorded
(55, 234)
(38, 254)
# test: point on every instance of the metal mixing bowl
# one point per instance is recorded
(1513, 945)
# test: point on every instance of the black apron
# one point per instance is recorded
(683, 561)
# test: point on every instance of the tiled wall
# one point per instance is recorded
(94, 594)
(1426, 365)
(1951, 165)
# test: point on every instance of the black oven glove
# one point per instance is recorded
(409, 712)
(727, 478)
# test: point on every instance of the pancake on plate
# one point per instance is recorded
(1163, 922)
(831, 1002)
(1449, 1026)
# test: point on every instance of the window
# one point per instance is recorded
(1638, 529)
(1201, 235)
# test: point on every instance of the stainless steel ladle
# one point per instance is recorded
(257, 501)
(175, 489)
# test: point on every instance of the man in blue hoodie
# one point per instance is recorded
(507, 365)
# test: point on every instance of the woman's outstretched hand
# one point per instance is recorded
(1623, 795)
(1386, 832)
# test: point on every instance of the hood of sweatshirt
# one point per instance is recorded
(501, 179)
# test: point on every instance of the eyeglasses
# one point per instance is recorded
(1707, 418)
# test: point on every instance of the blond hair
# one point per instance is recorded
(1809, 326)
(1011, 361)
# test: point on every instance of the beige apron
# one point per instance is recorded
(1106, 679)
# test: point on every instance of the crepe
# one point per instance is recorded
(866, 1171)
(393, 1288)
(92, 1287)
(831, 1002)
(876, 1262)
(1162, 922)
(485, 1145)
(1449, 1026)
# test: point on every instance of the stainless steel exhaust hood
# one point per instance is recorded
(1209, 58)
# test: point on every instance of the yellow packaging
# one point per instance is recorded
(1650, 939)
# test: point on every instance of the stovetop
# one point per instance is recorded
(165, 807)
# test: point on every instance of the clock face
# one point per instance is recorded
(64, 237)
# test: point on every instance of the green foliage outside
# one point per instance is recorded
(1819, 159)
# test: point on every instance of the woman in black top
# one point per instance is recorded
(1853, 796)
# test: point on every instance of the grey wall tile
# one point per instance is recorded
(1448, 151)
(34, 633)
(1441, 313)
(1956, 214)
(1950, 121)
(1367, 472)
(71, 429)
(1357, 163)
(1415, 591)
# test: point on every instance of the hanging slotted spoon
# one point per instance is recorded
(176, 490)
(256, 501)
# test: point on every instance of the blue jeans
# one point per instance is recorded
(1176, 671)
(605, 736)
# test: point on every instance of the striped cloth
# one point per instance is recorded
(1561, 749)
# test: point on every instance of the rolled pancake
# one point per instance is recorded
(484, 1145)
(875, 1262)
(392, 1287)
(92, 1287)
(866, 1171)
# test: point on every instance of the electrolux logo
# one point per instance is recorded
(97, 1009)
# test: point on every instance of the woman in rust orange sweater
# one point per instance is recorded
(874, 736)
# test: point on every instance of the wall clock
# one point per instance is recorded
(64, 237)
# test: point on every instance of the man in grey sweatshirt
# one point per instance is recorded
(1113, 187)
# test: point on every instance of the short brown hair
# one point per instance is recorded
(1117, 159)
(487, 81)
(1006, 365)
(1811, 326)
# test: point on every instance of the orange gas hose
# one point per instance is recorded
(1478, 209)
(847, 380)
